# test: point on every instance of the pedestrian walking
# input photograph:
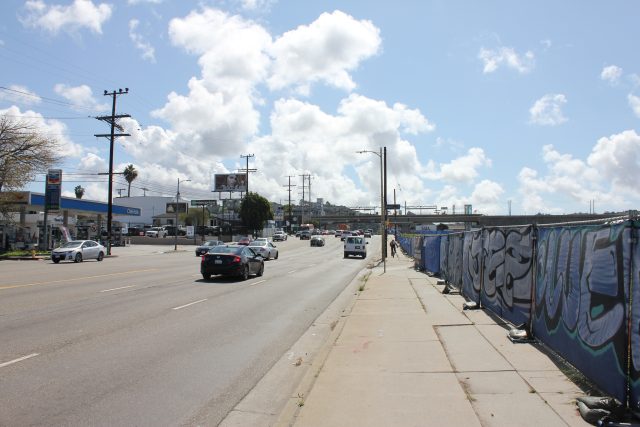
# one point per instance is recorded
(393, 248)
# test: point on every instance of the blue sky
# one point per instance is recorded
(482, 103)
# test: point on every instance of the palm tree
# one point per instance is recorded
(130, 173)
(79, 191)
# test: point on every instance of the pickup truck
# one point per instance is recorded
(156, 232)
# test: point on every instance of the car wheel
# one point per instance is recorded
(55, 260)
(276, 257)
(345, 255)
(206, 276)
(78, 258)
(245, 272)
(268, 256)
(261, 271)
(100, 256)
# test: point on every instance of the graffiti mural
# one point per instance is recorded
(444, 251)
(635, 319)
(454, 259)
(507, 277)
(472, 266)
(581, 295)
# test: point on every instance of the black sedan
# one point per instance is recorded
(204, 248)
(231, 260)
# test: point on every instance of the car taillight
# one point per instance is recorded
(202, 261)
(236, 259)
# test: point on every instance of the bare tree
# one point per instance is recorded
(130, 173)
(24, 152)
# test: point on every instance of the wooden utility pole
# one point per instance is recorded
(247, 170)
(112, 120)
(290, 211)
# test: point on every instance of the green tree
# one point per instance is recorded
(130, 173)
(255, 210)
(79, 191)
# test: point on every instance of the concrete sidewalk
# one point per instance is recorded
(408, 355)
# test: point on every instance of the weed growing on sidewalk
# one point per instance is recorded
(300, 400)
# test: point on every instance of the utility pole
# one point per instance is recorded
(310, 209)
(120, 190)
(247, 170)
(144, 189)
(384, 211)
(112, 120)
(290, 208)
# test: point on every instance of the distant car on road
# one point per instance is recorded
(267, 249)
(305, 235)
(204, 248)
(344, 235)
(78, 251)
(231, 260)
(279, 236)
(355, 245)
(156, 232)
(317, 241)
(367, 233)
(244, 241)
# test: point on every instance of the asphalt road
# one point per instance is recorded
(141, 339)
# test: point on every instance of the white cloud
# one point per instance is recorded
(324, 51)
(547, 111)
(133, 2)
(611, 74)
(20, 95)
(148, 52)
(253, 5)
(464, 169)
(78, 15)
(609, 176)
(487, 197)
(80, 96)
(507, 56)
(634, 103)
(49, 128)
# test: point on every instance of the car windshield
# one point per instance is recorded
(72, 244)
(211, 243)
(227, 250)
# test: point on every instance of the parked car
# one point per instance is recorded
(78, 251)
(231, 260)
(317, 241)
(305, 235)
(279, 236)
(244, 241)
(156, 232)
(204, 248)
(267, 249)
(355, 245)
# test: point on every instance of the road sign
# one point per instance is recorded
(392, 206)
(204, 203)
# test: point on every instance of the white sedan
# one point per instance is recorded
(266, 249)
(78, 251)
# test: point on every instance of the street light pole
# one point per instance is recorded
(383, 208)
(175, 226)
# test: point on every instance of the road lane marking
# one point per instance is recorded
(311, 265)
(191, 303)
(292, 271)
(75, 279)
(258, 282)
(115, 289)
(20, 359)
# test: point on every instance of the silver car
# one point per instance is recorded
(266, 249)
(78, 251)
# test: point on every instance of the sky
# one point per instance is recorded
(511, 107)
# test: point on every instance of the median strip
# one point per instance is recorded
(191, 303)
(20, 359)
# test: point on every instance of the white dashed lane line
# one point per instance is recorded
(191, 303)
(20, 359)
(116, 289)
(257, 283)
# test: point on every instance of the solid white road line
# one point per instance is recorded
(191, 303)
(20, 359)
(115, 289)
(292, 271)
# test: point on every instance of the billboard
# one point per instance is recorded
(232, 182)
(171, 207)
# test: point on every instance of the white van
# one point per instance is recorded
(355, 245)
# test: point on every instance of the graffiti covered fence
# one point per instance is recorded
(575, 288)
